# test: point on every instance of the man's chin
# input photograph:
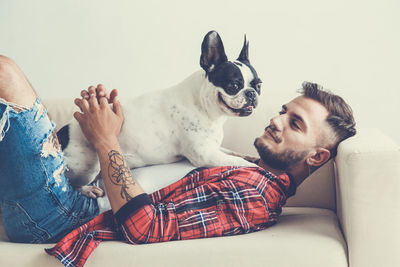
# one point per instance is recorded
(269, 157)
(259, 140)
(263, 141)
(279, 161)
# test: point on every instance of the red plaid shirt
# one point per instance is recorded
(207, 202)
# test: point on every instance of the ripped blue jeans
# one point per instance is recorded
(38, 204)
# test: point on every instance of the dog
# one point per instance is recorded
(183, 121)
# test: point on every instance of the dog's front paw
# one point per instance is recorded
(91, 191)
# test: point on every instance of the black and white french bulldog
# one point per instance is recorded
(183, 121)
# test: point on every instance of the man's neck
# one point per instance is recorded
(299, 174)
(265, 166)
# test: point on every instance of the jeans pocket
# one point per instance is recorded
(19, 226)
(87, 211)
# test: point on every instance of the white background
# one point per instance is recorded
(350, 47)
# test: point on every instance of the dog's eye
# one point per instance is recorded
(258, 87)
(233, 86)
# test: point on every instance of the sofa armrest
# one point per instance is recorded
(368, 198)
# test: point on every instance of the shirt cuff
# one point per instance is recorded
(131, 206)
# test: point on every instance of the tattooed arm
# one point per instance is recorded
(118, 180)
(101, 125)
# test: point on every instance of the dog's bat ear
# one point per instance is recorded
(244, 54)
(212, 52)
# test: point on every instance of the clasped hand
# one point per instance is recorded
(101, 115)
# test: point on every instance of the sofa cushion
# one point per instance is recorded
(302, 237)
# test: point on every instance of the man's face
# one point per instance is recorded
(292, 136)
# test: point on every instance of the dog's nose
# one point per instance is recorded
(251, 95)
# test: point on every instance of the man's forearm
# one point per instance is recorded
(118, 180)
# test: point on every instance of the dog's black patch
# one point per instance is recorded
(256, 79)
(63, 136)
(212, 51)
(227, 76)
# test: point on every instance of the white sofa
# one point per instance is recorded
(346, 214)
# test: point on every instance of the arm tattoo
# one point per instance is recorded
(120, 173)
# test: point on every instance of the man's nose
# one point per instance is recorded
(276, 122)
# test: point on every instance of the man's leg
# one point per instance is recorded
(14, 86)
(37, 202)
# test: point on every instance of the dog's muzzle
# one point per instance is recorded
(247, 109)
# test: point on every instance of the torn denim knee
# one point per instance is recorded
(5, 117)
(46, 142)
(51, 146)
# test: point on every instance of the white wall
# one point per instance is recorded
(350, 47)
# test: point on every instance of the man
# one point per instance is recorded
(207, 202)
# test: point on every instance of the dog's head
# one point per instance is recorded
(236, 82)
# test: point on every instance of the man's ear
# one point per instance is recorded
(319, 157)
(212, 51)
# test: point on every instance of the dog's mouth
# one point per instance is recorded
(242, 112)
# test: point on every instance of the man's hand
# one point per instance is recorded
(100, 123)
(100, 91)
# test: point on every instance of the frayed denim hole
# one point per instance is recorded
(41, 111)
(5, 122)
(51, 184)
(51, 147)
(21, 110)
(54, 169)
(50, 144)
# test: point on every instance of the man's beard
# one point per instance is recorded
(279, 161)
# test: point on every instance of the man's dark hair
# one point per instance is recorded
(340, 117)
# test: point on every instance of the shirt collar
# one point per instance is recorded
(292, 187)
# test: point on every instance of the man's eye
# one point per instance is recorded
(294, 124)
(282, 112)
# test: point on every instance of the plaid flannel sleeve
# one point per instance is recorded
(245, 200)
(143, 222)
